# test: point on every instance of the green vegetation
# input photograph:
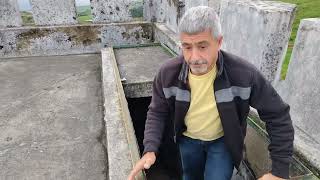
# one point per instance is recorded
(306, 9)
(84, 14)
(27, 18)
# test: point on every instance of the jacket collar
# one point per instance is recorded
(183, 76)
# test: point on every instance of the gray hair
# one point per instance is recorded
(199, 19)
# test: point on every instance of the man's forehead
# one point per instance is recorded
(202, 42)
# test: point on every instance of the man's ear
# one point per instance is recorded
(220, 40)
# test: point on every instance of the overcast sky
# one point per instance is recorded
(24, 5)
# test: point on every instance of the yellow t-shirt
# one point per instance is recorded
(202, 119)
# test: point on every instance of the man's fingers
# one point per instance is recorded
(138, 167)
(148, 163)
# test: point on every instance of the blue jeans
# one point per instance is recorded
(209, 160)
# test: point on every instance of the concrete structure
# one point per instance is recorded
(301, 90)
(138, 67)
(166, 36)
(211, 3)
(121, 142)
(51, 118)
(54, 12)
(258, 31)
(105, 11)
(10, 14)
(73, 39)
(168, 11)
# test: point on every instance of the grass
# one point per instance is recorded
(306, 9)
(27, 18)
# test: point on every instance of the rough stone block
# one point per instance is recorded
(301, 90)
(168, 11)
(257, 31)
(54, 12)
(9, 13)
(105, 11)
(154, 10)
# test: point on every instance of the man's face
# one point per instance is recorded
(200, 51)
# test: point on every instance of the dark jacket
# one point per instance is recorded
(238, 86)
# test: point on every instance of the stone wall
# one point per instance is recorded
(258, 31)
(72, 39)
(10, 14)
(301, 90)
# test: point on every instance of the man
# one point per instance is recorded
(206, 95)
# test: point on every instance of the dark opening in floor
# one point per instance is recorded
(165, 167)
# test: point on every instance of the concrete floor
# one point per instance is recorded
(138, 66)
(51, 118)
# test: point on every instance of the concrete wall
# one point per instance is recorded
(257, 31)
(301, 90)
(167, 11)
(54, 12)
(105, 11)
(75, 39)
(211, 3)
(9, 13)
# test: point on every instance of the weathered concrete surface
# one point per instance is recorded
(139, 66)
(215, 4)
(73, 39)
(166, 36)
(301, 90)
(257, 154)
(167, 11)
(257, 31)
(54, 12)
(9, 13)
(122, 145)
(51, 124)
(105, 11)
(154, 10)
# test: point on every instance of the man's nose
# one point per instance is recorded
(195, 54)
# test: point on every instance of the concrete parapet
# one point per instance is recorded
(54, 12)
(122, 146)
(10, 14)
(166, 36)
(257, 31)
(106, 11)
(73, 39)
(301, 90)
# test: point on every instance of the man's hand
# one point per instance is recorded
(269, 176)
(144, 163)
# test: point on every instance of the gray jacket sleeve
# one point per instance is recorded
(275, 113)
(157, 115)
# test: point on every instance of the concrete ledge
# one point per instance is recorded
(73, 39)
(166, 36)
(257, 153)
(121, 142)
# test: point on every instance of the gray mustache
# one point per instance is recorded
(197, 62)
